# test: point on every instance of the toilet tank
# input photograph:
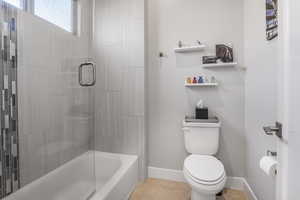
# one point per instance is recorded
(201, 138)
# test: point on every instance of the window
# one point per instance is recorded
(58, 12)
(62, 13)
(16, 3)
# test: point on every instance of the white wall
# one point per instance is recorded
(261, 60)
(55, 117)
(292, 63)
(212, 22)
(282, 179)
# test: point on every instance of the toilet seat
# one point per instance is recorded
(203, 169)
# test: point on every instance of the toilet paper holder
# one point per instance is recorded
(273, 154)
(269, 163)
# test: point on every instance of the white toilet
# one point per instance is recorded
(204, 172)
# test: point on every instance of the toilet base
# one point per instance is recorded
(198, 196)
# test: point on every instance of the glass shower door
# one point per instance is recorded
(79, 76)
(47, 105)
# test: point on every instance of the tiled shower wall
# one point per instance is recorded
(9, 155)
(119, 53)
(56, 115)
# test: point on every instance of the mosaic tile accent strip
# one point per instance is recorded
(9, 142)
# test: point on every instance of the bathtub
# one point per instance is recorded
(113, 178)
(116, 176)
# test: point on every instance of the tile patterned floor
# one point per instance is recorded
(157, 189)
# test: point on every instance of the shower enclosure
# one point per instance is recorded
(72, 97)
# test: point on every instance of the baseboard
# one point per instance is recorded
(249, 192)
(167, 174)
(235, 183)
(238, 183)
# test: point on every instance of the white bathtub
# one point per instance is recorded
(116, 176)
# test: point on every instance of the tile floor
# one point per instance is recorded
(157, 189)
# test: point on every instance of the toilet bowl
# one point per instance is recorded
(205, 175)
(202, 170)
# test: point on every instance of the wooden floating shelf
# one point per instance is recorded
(216, 65)
(190, 49)
(201, 84)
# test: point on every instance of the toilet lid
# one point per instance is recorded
(204, 168)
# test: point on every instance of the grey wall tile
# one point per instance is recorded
(119, 42)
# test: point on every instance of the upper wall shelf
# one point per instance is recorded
(216, 65)
(190, 49)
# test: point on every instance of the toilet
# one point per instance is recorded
(202, 170)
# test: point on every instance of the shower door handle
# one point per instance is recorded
(80, 69)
